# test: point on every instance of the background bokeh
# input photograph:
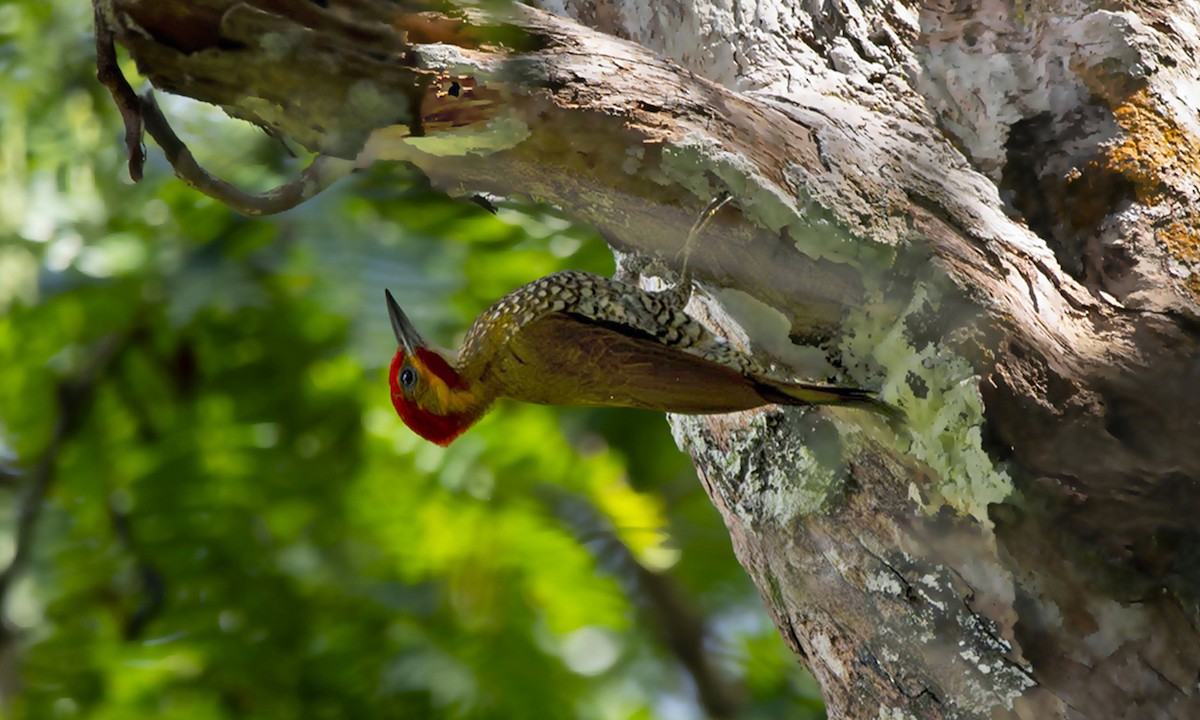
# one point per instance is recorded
(208, 508)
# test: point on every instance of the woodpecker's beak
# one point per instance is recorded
(406, 334)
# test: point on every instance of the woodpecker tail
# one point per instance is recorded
(799, 393)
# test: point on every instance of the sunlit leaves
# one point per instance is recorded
(242, 527)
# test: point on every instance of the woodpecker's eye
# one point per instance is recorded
(408, 378)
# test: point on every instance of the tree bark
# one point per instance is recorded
(987, 209)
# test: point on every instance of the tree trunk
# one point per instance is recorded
(988, 210)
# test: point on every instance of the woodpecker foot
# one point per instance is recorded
(633, 267)
(682, 289)
(710, 211)
(652, 274)
(629, 267)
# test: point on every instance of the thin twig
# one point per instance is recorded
(110, 76)
(73, 400)
(143, 112)
(677, 622)
(683, 630)
(32, 496)
(153, 588)
(322, 172)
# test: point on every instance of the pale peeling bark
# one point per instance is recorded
(986, 209)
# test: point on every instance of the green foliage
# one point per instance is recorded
(240, 526)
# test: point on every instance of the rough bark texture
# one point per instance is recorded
(987, 209)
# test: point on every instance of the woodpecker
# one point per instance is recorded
(573, 338)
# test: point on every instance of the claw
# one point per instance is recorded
(684, 286)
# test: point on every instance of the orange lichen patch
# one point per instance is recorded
(430, 27)
(1156, 153)
(467, 30)
(457, 102)
(1160, 162)
(1182, 239)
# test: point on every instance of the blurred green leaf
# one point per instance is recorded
(242, 527)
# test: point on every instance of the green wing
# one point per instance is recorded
(562, 359)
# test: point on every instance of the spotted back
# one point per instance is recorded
(608, 302)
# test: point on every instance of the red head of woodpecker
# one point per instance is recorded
(573, 338)
(430, 396)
